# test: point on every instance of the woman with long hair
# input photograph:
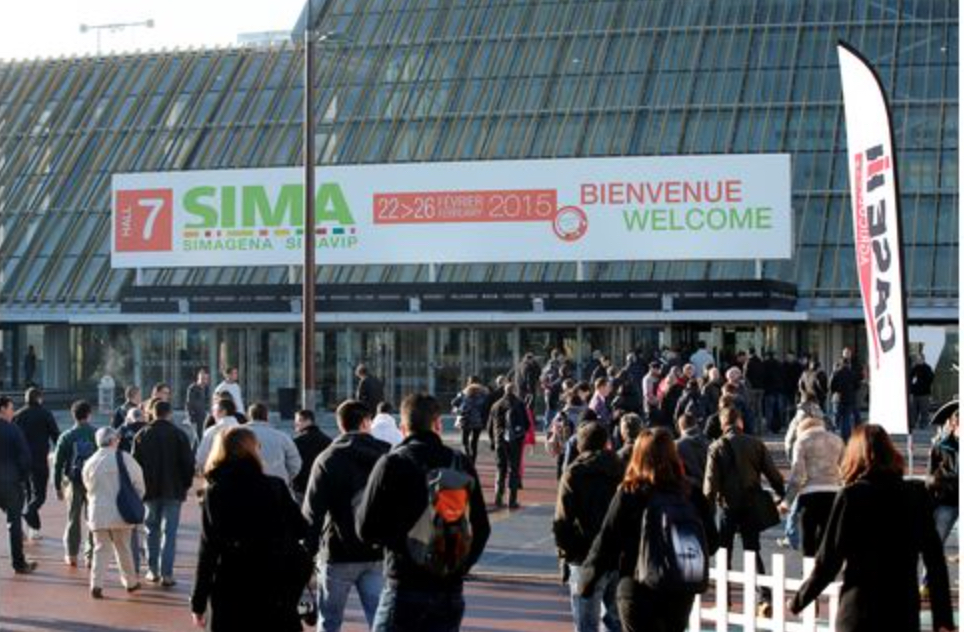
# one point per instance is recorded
(469, 406)
(250, 568)
(880, 525)
(655, 471)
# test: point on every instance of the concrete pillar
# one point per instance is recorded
(56, 355)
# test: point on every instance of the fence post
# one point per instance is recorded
(779, 591)
(749, 590)
(810, 612)
(722, 592)
(696, 614)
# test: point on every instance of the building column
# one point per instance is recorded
(56, 355)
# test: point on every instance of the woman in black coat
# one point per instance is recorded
(655, 466)
(879, 527)
(251, 568)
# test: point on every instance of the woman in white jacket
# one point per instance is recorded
(102, 480)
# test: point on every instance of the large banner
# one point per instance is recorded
(598, 209)
(873, 179)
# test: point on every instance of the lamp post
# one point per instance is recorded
(308, 276)
(113, 28)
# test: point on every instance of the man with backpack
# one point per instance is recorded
(585, 492)
(508, 425)
(164, 453)
(335, 485)
(74, 447)
(40, 429)
(735, 463)
(424, 504)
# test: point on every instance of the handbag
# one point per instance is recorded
(129, 502)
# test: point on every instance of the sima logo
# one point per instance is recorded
(252, 207)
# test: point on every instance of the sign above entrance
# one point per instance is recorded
(580, 209)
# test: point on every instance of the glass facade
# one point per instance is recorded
(427, 80)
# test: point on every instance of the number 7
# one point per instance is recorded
(155, 205)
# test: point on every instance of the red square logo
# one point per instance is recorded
(144, 220)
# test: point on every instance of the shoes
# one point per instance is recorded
(134, 587)
(70, 560)
(34, 535)
(153, 577)
(784, 543)
(764, 609)
(925, 593)
(96, 592)
(26, 569)
(168, 582)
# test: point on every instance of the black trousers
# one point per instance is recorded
(36, 496)
(11, 503)
(814, 510)
(508, 461)
(470, 442)
(733, 522)
(648, 611)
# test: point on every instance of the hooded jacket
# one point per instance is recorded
(816, 460)
(470, 405)
(337, 480)
(585, 491)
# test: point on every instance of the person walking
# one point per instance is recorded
(654, 487)
(420, 596)
(40, 429)
(944, 474)
(338, 478)
(773, 404)
(165, 456)
(251, 569)
(814, 479)
(470, 408)
(225, 416)
(585, 491)
(279, 455)
(370, 390)
(73, 449)
(599, 403)
(102, 479)
(692, 447)
(880, 526)
(921, 382)
(844, 385)
(30, 366)
(230, 386)
(563, 427)
(15, 472)
(735, 463)
(700, 358)
(132, 399)
(508, 425)
(310, 441)
(197, 399)
(385, 429)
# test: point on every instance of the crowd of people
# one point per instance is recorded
(658, 462)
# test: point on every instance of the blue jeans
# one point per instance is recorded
(403, 610)
(586, 610)
(945, 517)
(792, 528)
(335, 582)
(847, 417)
(773, 411)
(167, 512)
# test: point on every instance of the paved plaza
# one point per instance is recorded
(515, 586)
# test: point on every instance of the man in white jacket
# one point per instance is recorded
(223, 418)
(101, 476)
(278, 450)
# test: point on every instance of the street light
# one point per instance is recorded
(114, 27)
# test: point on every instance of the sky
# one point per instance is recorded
(51, 28)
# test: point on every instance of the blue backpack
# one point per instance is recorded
(81, 450)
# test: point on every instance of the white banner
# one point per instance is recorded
(598, 209)
(872, 171)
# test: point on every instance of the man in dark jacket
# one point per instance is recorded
(944, 476)
(15, 472)
(773, 403)
(338, 477)
(733, 469)
(370, 391)
(132, 399)
(585, 491)
(814, 380)
(310, 441)
(921, 380)
(508, 425)
(40, 429)
(197, 400)
(844, 385)
(164, 453)
(394, 500)
(692, 446)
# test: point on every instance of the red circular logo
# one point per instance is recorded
(570, 223)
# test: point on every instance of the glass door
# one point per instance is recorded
(452, 361)
(494, 351)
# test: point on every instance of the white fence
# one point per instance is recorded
(747, 581)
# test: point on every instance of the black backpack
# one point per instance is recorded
(673, 553)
